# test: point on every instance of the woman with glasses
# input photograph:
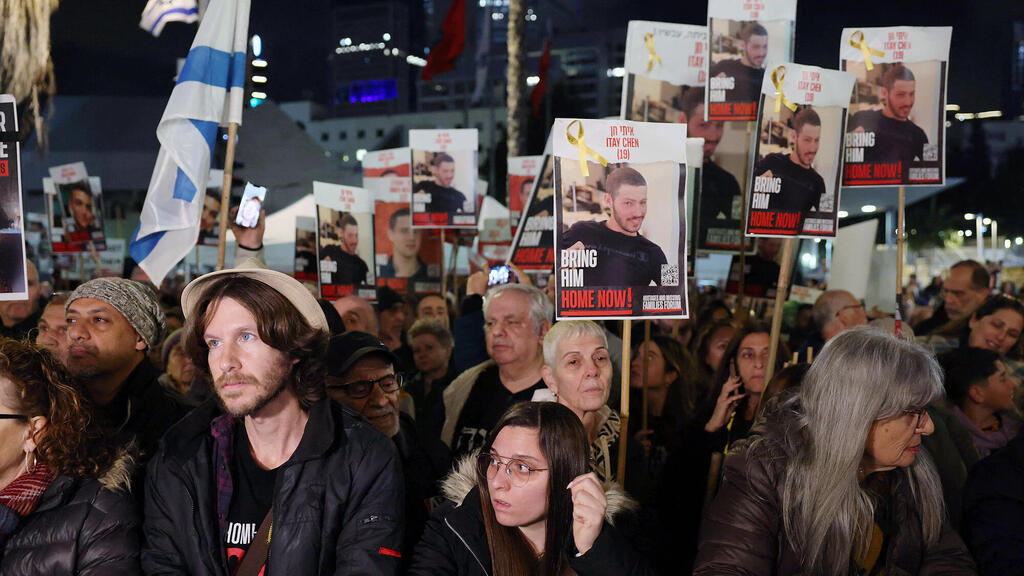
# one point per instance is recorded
(832, 480)
(527, 505)
(64, 501)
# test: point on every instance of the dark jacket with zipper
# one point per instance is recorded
(455, 539)
(80, 527)
(337, 500)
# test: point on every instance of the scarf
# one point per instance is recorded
(21, 497)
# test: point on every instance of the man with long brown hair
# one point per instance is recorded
(271, 449)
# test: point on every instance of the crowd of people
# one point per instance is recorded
(242, 426)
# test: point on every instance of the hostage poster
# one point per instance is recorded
(522, 176)
(744, 36)
(794, 186)
(663, 62)
(896, 129)
(444, 174)
(13, 274)
(305, 252)
(407, 260)
(344, 240)
(533, 243)
(78, 214)
(619, 255)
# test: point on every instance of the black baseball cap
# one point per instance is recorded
(346, 349)
(387, 298)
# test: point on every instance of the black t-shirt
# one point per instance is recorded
(801, 187)
(895, 140)
(442, 198)
(351, 268)
(747, 87)
(251, 499)
(487, 401)
(718, 188)
(621, 260)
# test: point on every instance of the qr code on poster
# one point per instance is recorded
(670, 275)
(930, 153)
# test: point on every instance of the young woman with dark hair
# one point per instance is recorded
(527, 505)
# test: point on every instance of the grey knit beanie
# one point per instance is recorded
(134, 300)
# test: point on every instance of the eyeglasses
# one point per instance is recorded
(518, 472)
(363, 388)
(13, 417)
(917, 414)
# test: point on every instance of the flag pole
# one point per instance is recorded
(780, 299)
(627, 336)
(225, 194)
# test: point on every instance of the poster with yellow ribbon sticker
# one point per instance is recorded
(664, 71)
(620, 219)
(896, 131)
(793, 189)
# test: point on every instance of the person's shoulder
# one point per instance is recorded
(869, 115)
(587, 227)
(183, 438)
(728, 65)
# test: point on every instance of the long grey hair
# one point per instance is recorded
(861, 376)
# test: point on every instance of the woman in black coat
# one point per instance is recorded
(64, 501)
(528, 507)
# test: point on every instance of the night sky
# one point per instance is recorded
(99, 49)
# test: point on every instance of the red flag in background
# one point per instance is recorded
(537, 95)
(453, 30)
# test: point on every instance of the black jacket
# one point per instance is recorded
(993, 508)
(455, 539)
(81, 527)
(337, 503)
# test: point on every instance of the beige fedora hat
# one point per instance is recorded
(252, 268)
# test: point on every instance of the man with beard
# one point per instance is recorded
(270, 449)
(801, 186)
(361, 375)
(896, 137)
(720, 198)
(747, 71)
(405, 259)
(443, 197)
(351, 270)
(112, 325)
(624, 257)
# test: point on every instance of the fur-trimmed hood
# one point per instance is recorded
(118, 475)
(462, 480)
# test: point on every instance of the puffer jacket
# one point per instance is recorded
(455, 539)
(743, 532)
(81, 527)
(338, 500)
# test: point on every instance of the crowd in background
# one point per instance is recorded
(882, 449)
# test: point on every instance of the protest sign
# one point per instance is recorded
(344, 240)
(444, 173)
(896, 130)
(77, 214)
(794, 186)
(744, 35)
(522, 176)
(407, 260)
(533, 243)
(305, 252)
(13, 273)
(663, 62)
(619, 253)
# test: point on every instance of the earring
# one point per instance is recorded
(30, 468)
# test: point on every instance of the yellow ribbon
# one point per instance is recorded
(867, 50)
(651, 54)
(780, 98)
(581, 145)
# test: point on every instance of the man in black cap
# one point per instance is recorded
(361, 375)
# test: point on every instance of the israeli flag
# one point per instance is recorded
(209, 92)
(160, 12)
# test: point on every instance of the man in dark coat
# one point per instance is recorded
(271, 449)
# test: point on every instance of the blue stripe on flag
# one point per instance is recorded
(184, 188)
(214, 67)
(140, 248)
(185, 11)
